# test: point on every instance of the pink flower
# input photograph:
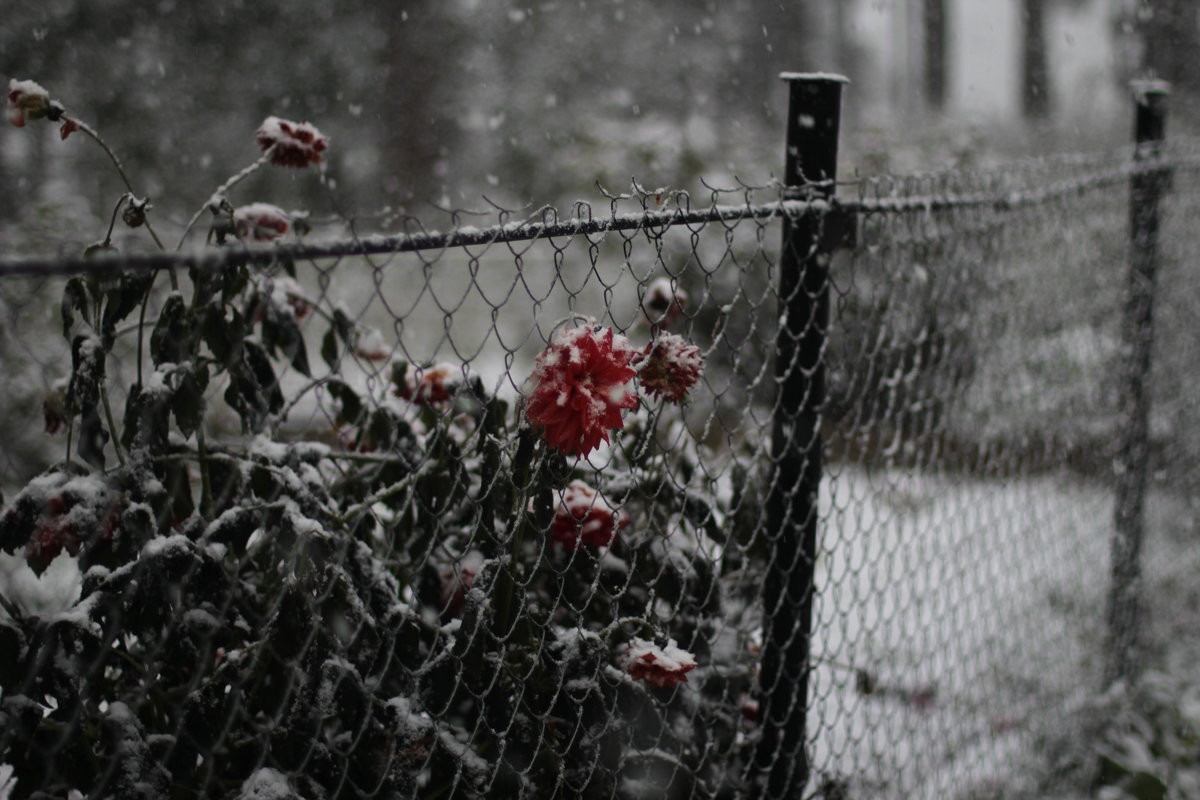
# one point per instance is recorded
(669, 367)
(458, 579)
(429, 386)
(658, 666)
(580, 388)
(261, 222)
(27, 100)
(584, 516)
(297, 144)
(663, 303)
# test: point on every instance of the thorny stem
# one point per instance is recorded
(87, 129)
(206, 498)
(112, 223)
(112, 427)
(222, 189)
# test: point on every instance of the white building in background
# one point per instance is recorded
(1087, 55)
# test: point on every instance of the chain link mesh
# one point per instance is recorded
(357, 570)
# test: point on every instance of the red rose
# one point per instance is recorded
(669, 367)
(430, 386)
(584, 516)
(26, 100)
(261, 222)
(658, 666)
(580, 388)
(296, 144)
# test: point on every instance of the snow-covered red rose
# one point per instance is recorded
(296, 144)
(658, 666)
(27, 100)
(261, 222)
(369, 344)
(429, 386)
(581, 386)
(584, 516)
(669, 367)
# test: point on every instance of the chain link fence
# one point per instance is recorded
(489, 512)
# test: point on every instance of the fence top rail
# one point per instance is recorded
(875, 196)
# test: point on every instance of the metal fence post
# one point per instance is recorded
(1132, 460)
(781, 758)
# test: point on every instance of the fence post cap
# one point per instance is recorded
(832, 77)
(1146, 87)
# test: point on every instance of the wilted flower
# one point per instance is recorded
(69, 126)
(663, 303)
(369, 344)
(658, 666)
(428, 386)
(580, 388)
(286, 297)
(669, 367)
(584, 516)
(297, 144)
(27, 100)
(261, 222)
(54, 533)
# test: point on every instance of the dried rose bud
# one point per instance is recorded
(135, 212)
(296, 144)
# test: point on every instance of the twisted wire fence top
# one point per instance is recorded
(343, 540)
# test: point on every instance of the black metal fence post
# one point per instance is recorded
(781, 758)
(1132, 460)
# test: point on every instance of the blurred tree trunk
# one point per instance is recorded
(1035, 69)
(1171, 36)
(416, 99)
(935, 25)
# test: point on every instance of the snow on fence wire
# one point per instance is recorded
(514, 511)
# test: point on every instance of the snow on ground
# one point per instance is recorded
(952, 625)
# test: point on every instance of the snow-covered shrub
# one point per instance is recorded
(441, 598)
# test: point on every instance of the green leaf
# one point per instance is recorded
(351, 411)
(279, 330)
(133, 412)
(187, 402)
(75, 298)
(264, 374)
(170, 342)
(224, 337)
(121, 300)
(87, 374)
(329, 349)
